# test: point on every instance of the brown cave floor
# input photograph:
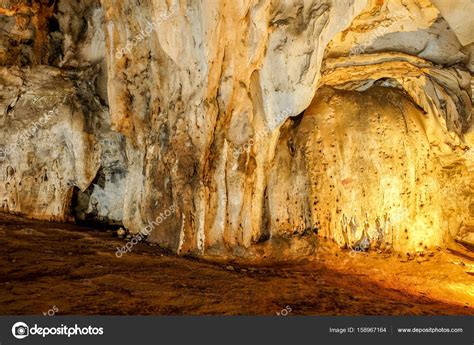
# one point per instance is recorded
(70, 269)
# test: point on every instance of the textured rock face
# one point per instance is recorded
(58, 155)
(369, 172)
(209, 84)
(53, 142)
(244, 127)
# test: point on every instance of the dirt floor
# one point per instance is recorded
(61, 269)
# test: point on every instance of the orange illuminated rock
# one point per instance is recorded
(262, 124)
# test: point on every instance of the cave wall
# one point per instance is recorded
(211, 75)
(247, 127)
(55, 123)
(371, 177)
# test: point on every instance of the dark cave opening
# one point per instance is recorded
(85, 209)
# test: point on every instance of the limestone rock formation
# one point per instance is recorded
(244, 128)
(54, 144)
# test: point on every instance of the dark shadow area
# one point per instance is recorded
(85, 211)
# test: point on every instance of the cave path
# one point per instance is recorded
(50, 268)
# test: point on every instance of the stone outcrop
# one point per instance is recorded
(54, 144)
(243, 128)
